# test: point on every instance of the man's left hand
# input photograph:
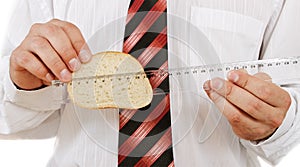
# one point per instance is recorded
(253, 105)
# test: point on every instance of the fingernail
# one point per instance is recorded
(216, 84)
(49, 77)
(66, 75)
(84, 56)
(206, 86)
(74, 64)
(233, 76)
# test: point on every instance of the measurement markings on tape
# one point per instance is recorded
(281, 70)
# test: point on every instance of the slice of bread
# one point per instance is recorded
(104, 82)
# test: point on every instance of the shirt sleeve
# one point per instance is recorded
(284, 42)
(20, 110)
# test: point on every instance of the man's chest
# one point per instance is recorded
(239, 24)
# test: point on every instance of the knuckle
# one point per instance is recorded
(51, 29)
(35, 27)
(22, 59)
(37, 43)
(40, 72)
(265, 92)
(254, 106)
(69, 26)
(235, 119)
(14, 54)
(54, 20)
(79, 44)
(66, 25)
(275, 122)
(56, 64)
(67, 52)
(287, 100)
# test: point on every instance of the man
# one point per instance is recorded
(260, 118)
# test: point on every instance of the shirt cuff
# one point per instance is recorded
(45, 99)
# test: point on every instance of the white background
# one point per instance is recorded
(35, 153)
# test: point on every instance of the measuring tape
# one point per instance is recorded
(282, 71)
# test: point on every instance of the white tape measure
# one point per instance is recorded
(282, 71)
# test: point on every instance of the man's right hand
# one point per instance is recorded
(52, 50)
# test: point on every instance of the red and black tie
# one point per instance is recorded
(145, 135)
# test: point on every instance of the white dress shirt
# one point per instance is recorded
(237, 30)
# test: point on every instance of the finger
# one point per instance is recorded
(49, 57)
(76, 39)
(266, 91)
(60, 43)
(243, 70)
(263, 76)
(243, 125)
(246, 101)
(33, 65)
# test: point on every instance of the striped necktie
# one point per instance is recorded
(145, 134)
